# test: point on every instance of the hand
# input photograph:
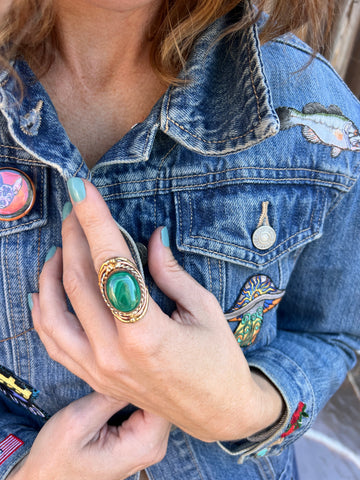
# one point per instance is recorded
(187, 367)
(77, 443)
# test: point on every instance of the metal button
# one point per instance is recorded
(264, 237)
(17, 194)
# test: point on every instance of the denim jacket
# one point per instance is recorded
(253, 166)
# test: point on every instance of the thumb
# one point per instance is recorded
(89, 414)
(170, 277)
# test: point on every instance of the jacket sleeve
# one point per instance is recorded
(18, 430)
(318, 328)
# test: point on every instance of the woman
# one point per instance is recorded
(234, 179)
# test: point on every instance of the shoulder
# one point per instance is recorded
(319, 116)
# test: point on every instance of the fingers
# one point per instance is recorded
(91, 413)
(81, 284)
(147, 434)
(93, 226)
(59, 330)
(174, 281)
(97, 223)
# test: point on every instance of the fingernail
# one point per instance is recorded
(30, 301)
(66, 210)
(165, 237)
(50, 253)
(76, 189)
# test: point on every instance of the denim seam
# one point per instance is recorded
(229, 181)
(221, 282)
(318, 58)
(11, 146)
(227, 170)
(146, 143)
(17, 335)
(79, 168)
(243, 248)
(252, 75)
(262, 470)
(249, 261)
(38, 253)
(228, 138)
(11, 309)
(18, 275)
(25, 160)
(192, 456)
(161, 163)
(210, 276)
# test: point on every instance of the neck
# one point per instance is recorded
(98, 41)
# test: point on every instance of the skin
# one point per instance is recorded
(170, 367)
(78, 443)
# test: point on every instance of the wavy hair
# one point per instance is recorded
(28, 29)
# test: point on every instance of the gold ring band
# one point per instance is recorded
(123, 289)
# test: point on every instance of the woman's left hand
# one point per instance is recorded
(187, 368)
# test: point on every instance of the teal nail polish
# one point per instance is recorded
(76, 189)
(66, 210)
(50, 253)
(165, 237)
(30, 301)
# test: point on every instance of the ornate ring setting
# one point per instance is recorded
(123, 289)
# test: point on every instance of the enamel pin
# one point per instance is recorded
(17, 194)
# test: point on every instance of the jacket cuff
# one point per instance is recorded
(294, 386)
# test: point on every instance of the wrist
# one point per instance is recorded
(270, 405)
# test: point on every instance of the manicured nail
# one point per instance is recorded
(66, 210)
(165, 237)
(76, 189)
(30, 301)
(50, 253)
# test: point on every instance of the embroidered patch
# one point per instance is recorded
(9, 446)
(258, 296)
(30, 123)
(327, 126)
(296, 420)
(17, 194)
(19, 392)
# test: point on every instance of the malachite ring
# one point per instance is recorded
(123, 289)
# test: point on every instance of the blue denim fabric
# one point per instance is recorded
(204, 162)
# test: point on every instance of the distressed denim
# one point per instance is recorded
(241, 145)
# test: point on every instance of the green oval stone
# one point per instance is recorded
(123, 291)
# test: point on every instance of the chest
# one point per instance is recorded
(97, 118)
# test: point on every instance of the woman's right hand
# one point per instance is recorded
(78, 443)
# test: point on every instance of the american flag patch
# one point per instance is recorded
(9, 446)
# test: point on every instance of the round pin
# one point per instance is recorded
(17, 194)
(264, 237)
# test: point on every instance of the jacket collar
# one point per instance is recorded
(224, 107)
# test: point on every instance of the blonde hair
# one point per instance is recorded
(28, 29)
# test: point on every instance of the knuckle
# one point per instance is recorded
(73, 280)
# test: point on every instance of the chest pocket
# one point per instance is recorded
(221, 223)
(215, 233)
